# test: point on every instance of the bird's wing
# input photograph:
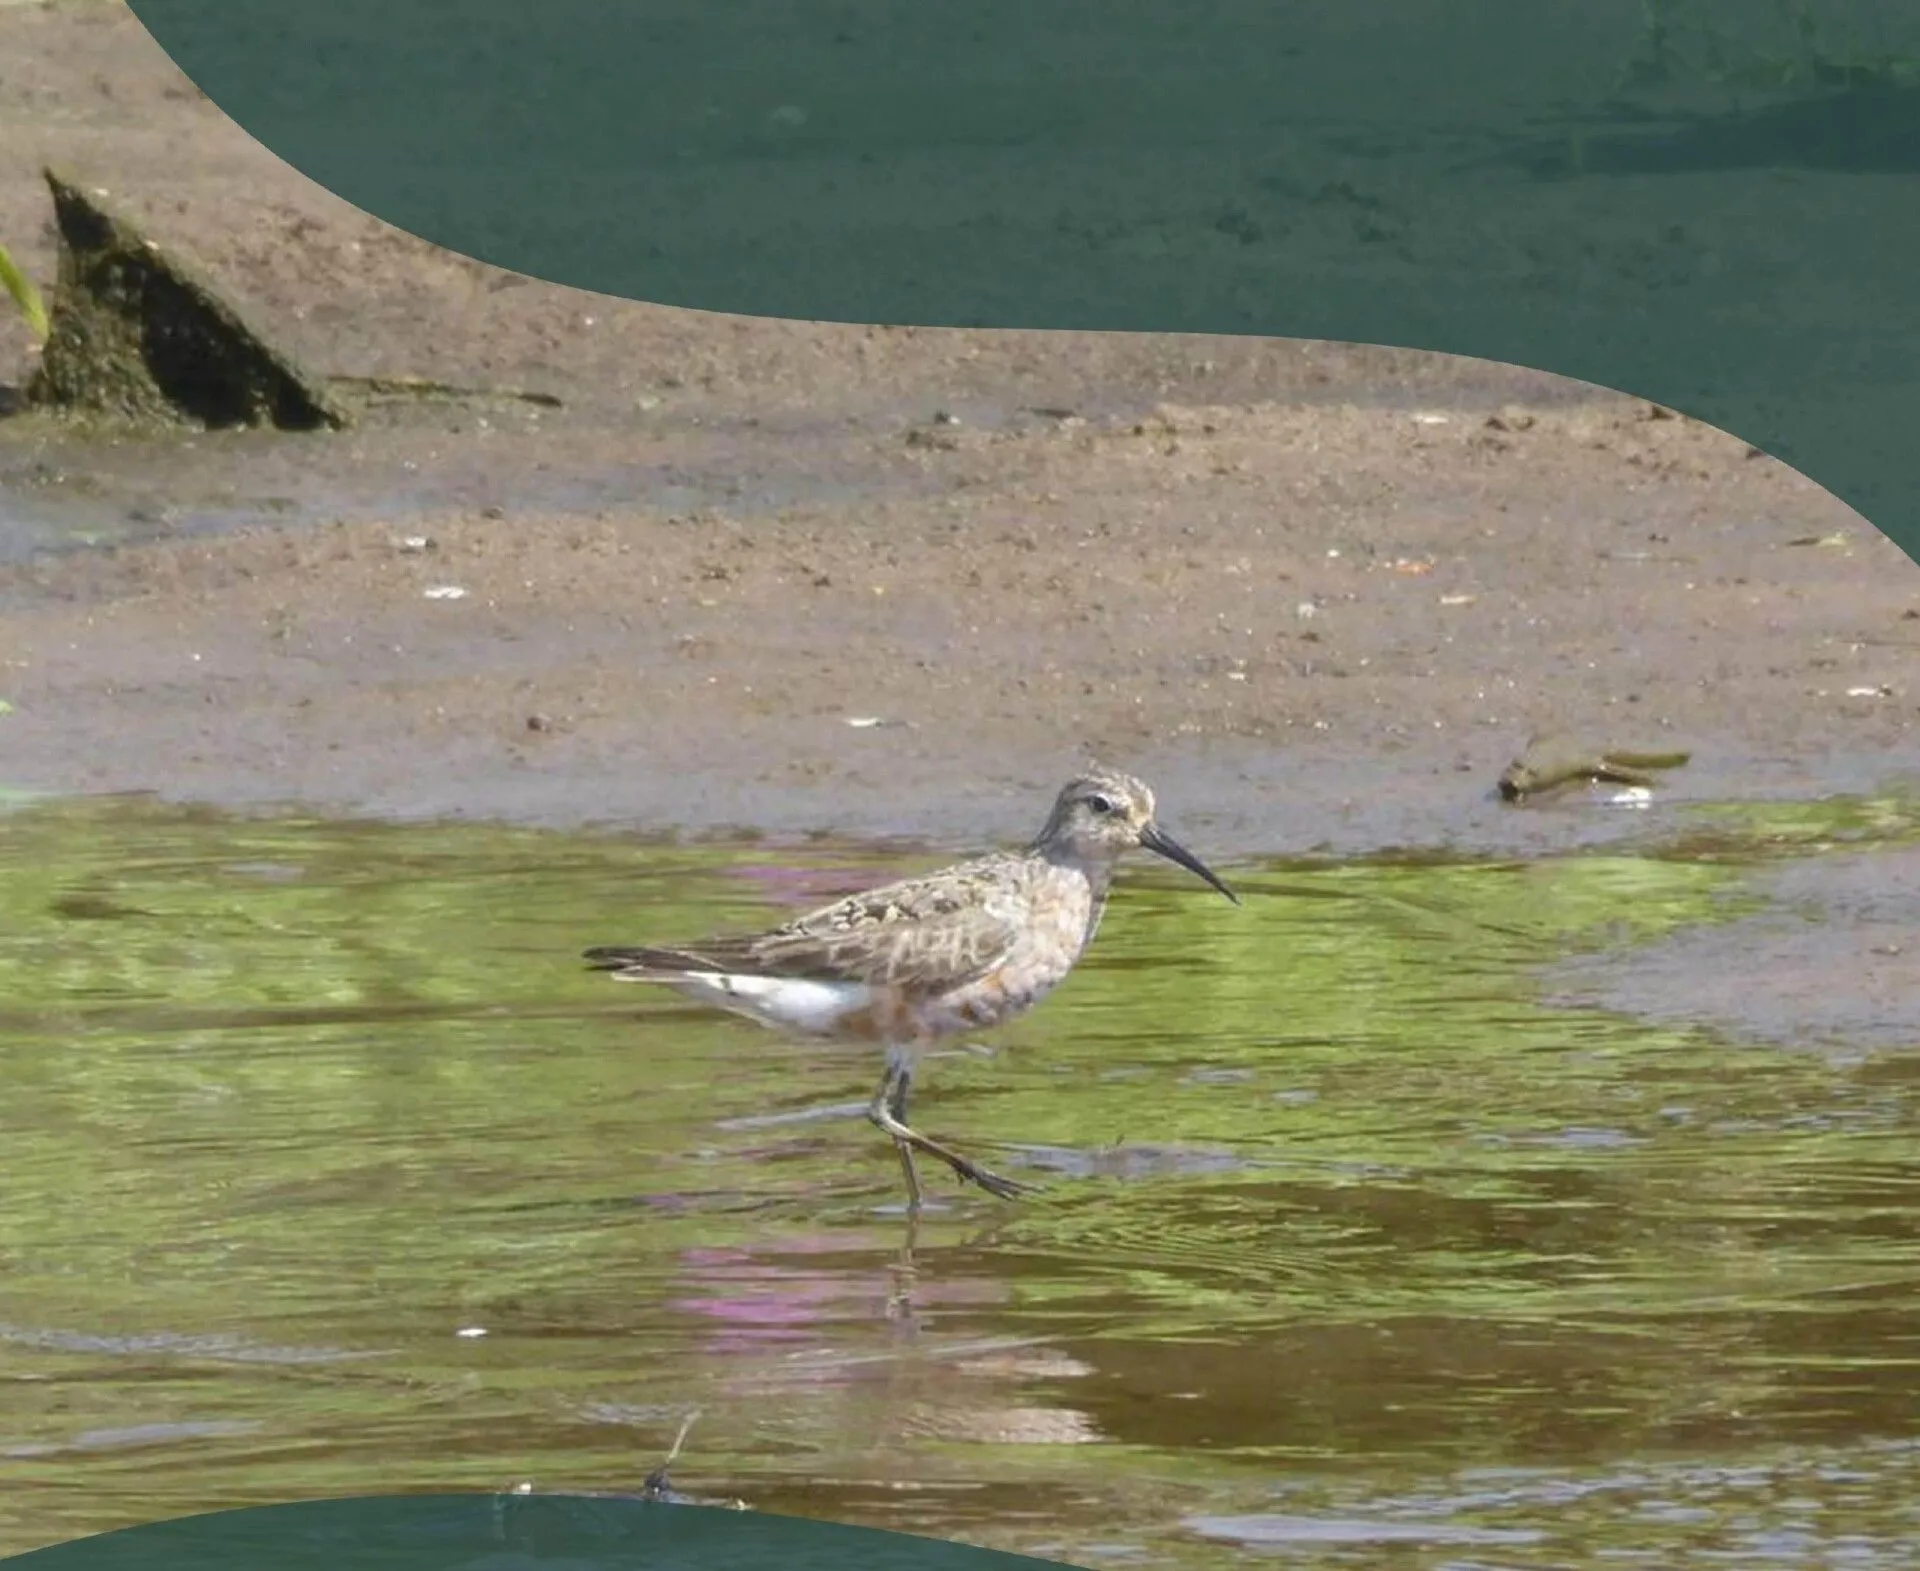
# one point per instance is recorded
(941, 931)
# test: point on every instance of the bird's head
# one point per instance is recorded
(1102, 814)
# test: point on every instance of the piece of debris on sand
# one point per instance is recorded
(1554, 761)
(137, 336)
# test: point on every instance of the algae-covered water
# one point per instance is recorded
(329, 1170)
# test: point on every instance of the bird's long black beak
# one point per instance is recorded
(1158, 841)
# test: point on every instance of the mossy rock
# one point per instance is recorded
(137, 335)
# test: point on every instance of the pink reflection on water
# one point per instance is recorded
(766, 1302)
(758, 1299)
(804, 886)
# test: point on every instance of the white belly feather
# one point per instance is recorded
(783, 1003)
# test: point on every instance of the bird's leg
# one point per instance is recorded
(888, 1114)
(893, 1093)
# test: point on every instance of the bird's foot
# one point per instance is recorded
(907, 1140)
(996, 1184)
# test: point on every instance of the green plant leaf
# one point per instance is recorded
(25, 296)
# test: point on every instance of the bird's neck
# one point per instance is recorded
(1095, 873)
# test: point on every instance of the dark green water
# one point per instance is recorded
(1350, 1245)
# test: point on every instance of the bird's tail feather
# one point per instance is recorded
(638, 964)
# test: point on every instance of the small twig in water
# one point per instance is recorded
(657, 1485)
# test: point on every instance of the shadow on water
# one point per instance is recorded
(330, 1171)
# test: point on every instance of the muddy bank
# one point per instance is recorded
(1320, 626)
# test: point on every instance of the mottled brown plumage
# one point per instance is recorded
(924, 958)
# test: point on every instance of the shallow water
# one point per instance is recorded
(330, 1171)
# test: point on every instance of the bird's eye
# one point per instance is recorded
(1100, 804)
